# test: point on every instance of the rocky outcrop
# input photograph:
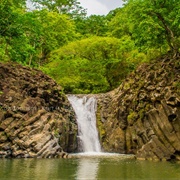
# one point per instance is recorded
(142, 116)
(36, 119)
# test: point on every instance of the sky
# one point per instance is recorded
(100, 7)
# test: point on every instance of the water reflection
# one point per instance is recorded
(37, 169)
(87, 168)
(132, 169)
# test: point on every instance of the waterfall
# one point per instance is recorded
(85, 110)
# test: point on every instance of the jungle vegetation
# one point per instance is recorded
(88, 54)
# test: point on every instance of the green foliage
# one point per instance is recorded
(28, 37)
(88, 54)
(152, 24)
(10, 28)
(3, 55)
(93, 65)
(16, 35)
(57, 30)
(120, 24)
(92, 25)
(77, 75)
(131, 118)
(70, 7)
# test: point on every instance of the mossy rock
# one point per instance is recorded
(131, 118)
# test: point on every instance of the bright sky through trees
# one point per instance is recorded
(100, 7)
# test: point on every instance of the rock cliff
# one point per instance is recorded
(142, 116)
(36, 119)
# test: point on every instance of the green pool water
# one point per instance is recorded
(87, 168)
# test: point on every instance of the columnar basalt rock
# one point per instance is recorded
(36, 119)
(142, 116)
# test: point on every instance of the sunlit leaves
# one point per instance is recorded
(150, 23)
(92, 25)
(31, 36)
(95, 64)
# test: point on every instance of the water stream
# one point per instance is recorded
(93, 164)
(108, 166)
(85, 110)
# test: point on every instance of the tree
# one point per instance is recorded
(58, 30)
(27, 47)
(156, 22)
(28, 37)
(93, 65)
(92, 25)
(10, 29)
(70, 7)
(119, 24)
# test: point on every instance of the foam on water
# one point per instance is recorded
(89, 145)
(102, 155)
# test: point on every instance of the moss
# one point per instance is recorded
(61, 92)
(147, 107)
(48, 91)
(134, 103)
(141, 83)
(100, 124)
(127, 86)
(56, 133)
(177, 85)
(141, 113)
(131, 118)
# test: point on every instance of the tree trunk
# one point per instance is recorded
(169, 34)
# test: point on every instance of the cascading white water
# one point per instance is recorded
(85, 110)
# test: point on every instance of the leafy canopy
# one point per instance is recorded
(154, 23)
(93, 65)
(88, 54)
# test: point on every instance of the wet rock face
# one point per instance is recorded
(142, 116)
(36, 119)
